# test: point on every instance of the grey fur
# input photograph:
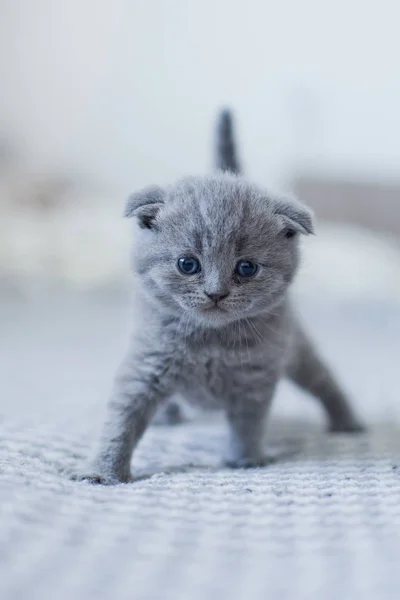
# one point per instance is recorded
(232, 354)
(226, 159)
(145, 205)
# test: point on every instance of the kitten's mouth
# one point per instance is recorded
(214, 308)
(214, 315)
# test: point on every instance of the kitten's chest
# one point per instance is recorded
(208, 372)
(206, 376)
(208, 366)
(214, 362)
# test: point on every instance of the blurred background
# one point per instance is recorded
(101, 97)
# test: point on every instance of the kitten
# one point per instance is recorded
(215, 257)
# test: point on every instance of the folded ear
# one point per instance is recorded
(144, 205)
(295, 216)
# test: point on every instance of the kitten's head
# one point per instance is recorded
(216, 248)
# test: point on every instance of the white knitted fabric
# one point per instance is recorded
(322, 522)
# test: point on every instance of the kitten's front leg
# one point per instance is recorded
(247, 413)
(137, 394)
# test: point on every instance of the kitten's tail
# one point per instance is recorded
(226, 156)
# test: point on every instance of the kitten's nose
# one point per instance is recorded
(216, 297)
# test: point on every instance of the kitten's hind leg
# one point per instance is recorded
(309, 372)
(170, 413)
(246, 412)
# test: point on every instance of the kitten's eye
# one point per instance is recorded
(246, 268)
(289, 233)
(188, 265)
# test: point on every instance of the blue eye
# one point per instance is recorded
(188, 265)
(246, 268)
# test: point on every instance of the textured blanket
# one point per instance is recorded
(321, 522)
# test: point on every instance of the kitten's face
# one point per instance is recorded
(216, 249)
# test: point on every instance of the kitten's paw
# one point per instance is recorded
(248, 462)
(354, 427)
(97, 478)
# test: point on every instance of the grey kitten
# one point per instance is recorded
(215, 257)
